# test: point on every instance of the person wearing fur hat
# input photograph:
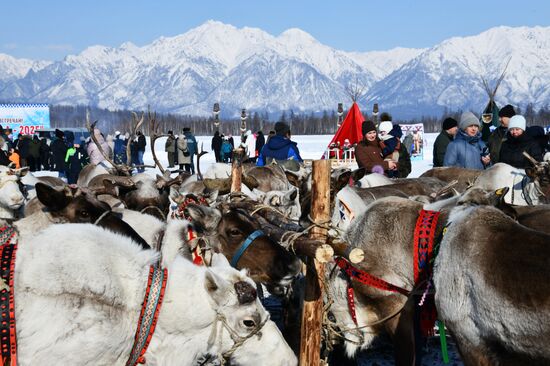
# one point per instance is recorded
(498, 136)
(445, 137)
(516, 142)
(467, 149)
(279, 147)
(368, 152)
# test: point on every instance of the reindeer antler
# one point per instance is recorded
(530, 158)
(120, 169)
(154, 131)
(199, 174)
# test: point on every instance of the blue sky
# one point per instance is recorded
(52, 29)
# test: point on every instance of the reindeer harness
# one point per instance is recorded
(8, 336)
(423, 254)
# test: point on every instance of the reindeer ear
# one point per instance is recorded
(215, 286)
(204, 218)
(292, 178)
(357, 174)
(111, 188)
(219, 260)
(50, 197)
(342, 180)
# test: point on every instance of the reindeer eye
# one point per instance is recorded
(84, 213)
(249, 323)
(235, 232)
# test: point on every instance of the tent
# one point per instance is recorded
(350, 129)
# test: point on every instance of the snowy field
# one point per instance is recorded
(311, 147)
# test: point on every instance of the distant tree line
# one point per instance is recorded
(319, 123)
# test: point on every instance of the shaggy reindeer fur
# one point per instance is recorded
(492, 279)
(79, 303)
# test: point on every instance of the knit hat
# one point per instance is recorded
(385, 116)
(517, 121)
(507, 111)
(468, 119)
(449, 123)
(385, 126)
(117, 133)
(367, 127)
(281, 128)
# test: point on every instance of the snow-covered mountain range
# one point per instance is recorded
(250, 68)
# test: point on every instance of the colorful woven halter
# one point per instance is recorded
(154, 294)
(8, 336)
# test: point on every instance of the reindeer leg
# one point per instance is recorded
(401, 328)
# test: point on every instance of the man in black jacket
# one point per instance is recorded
(141, 143)
(450, 126)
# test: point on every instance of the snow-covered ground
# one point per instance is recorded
(311, 147)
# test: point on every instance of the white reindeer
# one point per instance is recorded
(11, 198)
(79, 290)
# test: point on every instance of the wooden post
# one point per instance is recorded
(237, 170)
(310, 343)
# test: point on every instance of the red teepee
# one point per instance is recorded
(350, 128)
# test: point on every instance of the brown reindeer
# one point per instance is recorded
(226, 229)
(492, 279)
(54, 205)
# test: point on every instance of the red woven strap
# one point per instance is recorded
(368, 279)
(424, 234)
(8, 334)
(351, 302)
(152, 302)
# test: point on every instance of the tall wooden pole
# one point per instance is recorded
(237, 169)
(310, 345)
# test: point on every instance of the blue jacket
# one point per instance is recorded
(279, 148)
(465, 151)
(191, 143)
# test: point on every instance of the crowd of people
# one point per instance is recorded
(66, 155)
(471, 143)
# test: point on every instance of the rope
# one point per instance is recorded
(237, 339)
(155, 208)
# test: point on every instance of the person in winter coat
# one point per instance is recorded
(279, 147)
(497, 137)
(467, 149)
(44, 154)
(34, 154)
(119, 149)
(14, 158)
(251, 146)
(392, 149)
(59, 151)
(141, 144)
(226, 150)
(368, 153)
(450, 126)
(538, 134)
(75, 161)
(516, 142)
(191, 146)
(260, 142)
(217, 146)
(184, 155)
(23, 146)
(170, 148)
(95, 155)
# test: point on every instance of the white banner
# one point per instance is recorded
(413, 140)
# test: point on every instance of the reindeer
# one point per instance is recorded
(96, 285)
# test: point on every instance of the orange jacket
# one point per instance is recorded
(15, 158)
